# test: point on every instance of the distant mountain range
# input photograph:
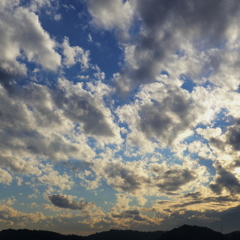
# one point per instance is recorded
(184, 232)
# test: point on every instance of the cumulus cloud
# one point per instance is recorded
(63, 201)
(164, 112)
(37, 131)
(180, 69)
(87, 109)
(5, 177)
(110, 14)
(72, 55)
(130, 214)
(52, 178)
(139, 179)
(162, 43)
(174, 179)
(209, 218)
(13, 217)
(225, 180)
(22, 36)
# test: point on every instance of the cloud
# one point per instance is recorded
(14, 217)
(174, 179)
(138, 178)
(176, 131)
(209, 218)
(130, 214)
(22, 36)
(171, 37)
(5, 177)
(228, 141)
(164, 112)
(87, 109)
(109, 14)
(225, 180)
(233, 137)
(52, 178)
(62, 201)
(72, 55)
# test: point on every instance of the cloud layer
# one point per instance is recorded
(131, 108)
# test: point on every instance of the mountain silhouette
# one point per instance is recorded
(25, 234)
(184, 232)
(187, 232)
(125, 235)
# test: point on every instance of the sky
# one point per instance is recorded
(119, 114)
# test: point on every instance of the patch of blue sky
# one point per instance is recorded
(92, 143)
(104, 196)
(221, 45)
(70, 166)
(238, 90)
(191, 138)
(127, 157)
(104, 48)
(180, 53)
(164, 72)
(20, 192)
(107, 54)
(209, 164)
(169, 156)
(208, 43)
(188, 84)
(223, 120)
(36, 75)
(208, 85)
(135, 31)
(70, 25)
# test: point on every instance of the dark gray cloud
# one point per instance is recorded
(6, 78)
(168, 25)
(227, 219)
(173, 180)
(84, 110)
(129, 178)
(193, 195)
(225, 180)
(130, 214)
(167, 118)
(164, 113)
(228, 143)
(62, 201)
(197, 199)
(233, 137)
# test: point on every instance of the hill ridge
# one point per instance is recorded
(185, 232)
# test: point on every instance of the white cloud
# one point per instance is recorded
(89, 110)
(14, 217)
(72, 55)
(5, 177)
(53, 178)
(181, 38)
(22, 36)
(165, 112)
(109, 14)
(57, 17)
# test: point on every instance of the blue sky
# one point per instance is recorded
(119, 114)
